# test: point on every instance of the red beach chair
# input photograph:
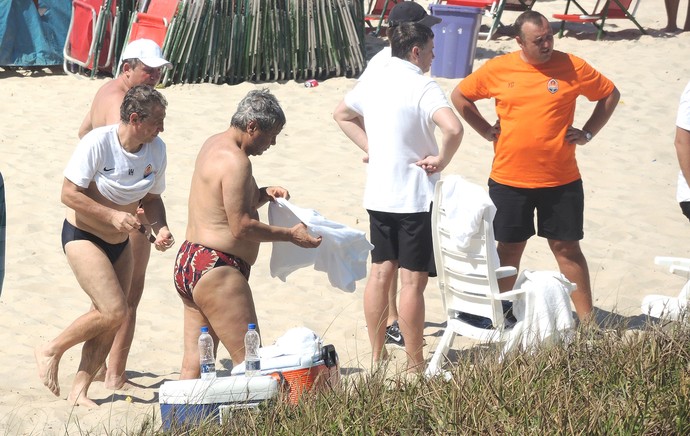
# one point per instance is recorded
(609, 9)
(91, 35)
(153, 24)
(378, 11)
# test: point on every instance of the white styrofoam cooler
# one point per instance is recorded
(192, 401)
(296, 363)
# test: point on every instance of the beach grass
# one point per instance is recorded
(614, 382)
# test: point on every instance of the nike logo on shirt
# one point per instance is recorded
(106, 169)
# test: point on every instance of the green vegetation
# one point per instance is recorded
(622, 382)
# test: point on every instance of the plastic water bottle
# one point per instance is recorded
(252, 364)
(206, 357)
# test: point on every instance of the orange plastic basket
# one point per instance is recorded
(305, 379)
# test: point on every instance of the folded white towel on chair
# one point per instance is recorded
(661, 306)
(548, 316)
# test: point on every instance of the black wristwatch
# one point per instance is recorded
(588, 135)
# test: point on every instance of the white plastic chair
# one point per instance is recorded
(672, 308)
(467, 278)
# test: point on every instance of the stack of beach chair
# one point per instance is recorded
(228, 41)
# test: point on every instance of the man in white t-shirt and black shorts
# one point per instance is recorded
(403, 12)
(391, 116)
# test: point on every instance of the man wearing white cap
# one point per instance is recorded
(142, 62)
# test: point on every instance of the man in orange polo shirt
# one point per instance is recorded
(534, 167)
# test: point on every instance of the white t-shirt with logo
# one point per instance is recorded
(120, 176)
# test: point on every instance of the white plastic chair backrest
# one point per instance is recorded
(467, 276)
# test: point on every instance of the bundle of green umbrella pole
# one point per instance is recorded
(232, 41)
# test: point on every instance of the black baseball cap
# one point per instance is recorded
(410, 12)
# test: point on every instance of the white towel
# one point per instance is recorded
(550, 318)
(671, 308)
(298, 347)
(465, 203)
(342, 254)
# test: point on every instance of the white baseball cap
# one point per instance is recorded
(147, 51)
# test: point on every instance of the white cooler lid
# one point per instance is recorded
(233, 389)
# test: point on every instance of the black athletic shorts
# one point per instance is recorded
(405, 237)
(560, 212)
(685, 207)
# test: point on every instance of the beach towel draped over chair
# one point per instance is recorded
(493, 9)
(671, 308)
(468, 270)
(603, 10)
(548, 318)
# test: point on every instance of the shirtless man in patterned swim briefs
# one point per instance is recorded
(224, 231)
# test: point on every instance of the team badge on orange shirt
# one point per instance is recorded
(552, 86)
(148, 171)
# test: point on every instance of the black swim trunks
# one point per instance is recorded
(72, 233)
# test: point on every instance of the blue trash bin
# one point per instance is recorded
(455, 40)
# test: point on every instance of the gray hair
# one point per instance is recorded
(141, 99)
(408, 35)
(260, 106)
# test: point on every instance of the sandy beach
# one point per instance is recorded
(629, 172)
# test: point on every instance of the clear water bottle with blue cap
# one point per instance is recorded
(252, 342)
(206, 357)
